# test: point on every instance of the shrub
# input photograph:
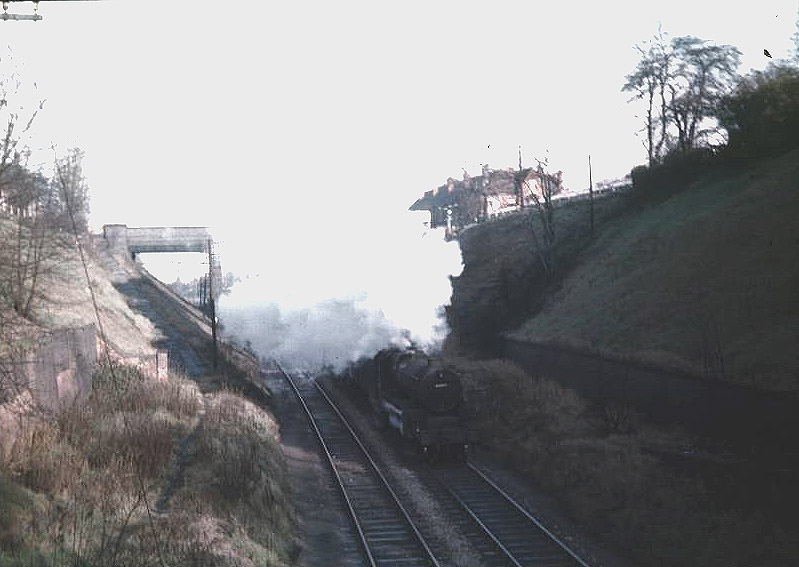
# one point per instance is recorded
(238, 470)
(607, 480)
(762, 115)
(43, 461)
(12, 500)
(513, 403)
(143, 440)
(677, 170)
(237, 441)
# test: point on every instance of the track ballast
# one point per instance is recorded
(388, 536)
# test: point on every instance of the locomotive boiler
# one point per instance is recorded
(417, 396)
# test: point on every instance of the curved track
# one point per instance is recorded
(388, 536)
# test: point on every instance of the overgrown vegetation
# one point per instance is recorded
(695, 269)
(504, 280)
(703, 280)
(36, 213)
(82, 486)
(597, 461)
(762, 114)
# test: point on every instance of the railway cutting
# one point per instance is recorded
(386, 531)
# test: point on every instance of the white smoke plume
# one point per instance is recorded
(365, 294)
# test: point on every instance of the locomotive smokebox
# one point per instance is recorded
(437, 389)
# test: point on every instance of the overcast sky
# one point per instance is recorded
(299, 130)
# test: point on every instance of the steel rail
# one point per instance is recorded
(373, 559)
(527, 514)
(503, 521)
(508, 555)
(330, 462)
(380, 474)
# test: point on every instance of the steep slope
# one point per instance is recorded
(173, 470)
(706, 281)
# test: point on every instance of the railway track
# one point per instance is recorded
(387, 534)
(516, 536)
(500, 529)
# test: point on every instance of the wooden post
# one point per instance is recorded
(161, 364)
(591, 195)
(211, 297)
(520, 182)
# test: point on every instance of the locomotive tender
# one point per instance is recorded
(417, 396)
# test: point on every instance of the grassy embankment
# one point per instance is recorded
(705, 281)
(608, 481)
(503, 281)
(702, 278)
(143, 472)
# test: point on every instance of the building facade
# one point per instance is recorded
(459, 203)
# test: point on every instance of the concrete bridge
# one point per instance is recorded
(122, 238)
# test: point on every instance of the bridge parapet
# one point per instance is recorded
(122, 238)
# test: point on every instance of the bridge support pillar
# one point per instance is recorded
(116, 235)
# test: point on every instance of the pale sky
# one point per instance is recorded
(300, 131)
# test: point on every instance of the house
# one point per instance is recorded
(459, 203)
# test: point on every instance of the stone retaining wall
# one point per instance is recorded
(746, 415)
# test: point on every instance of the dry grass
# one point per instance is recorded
(608, 481)
(65, 300)
(238, 472)
(79, 483)
(705, 281)
(74, 480)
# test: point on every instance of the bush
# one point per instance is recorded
(508, 402)
(237, 442)
(12, 501)
(238, 470)
(607, 480)
(145, 441)
(228, 494)
(762, 115)
(677, 170)
(43, 461)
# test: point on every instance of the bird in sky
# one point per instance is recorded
(766, 53)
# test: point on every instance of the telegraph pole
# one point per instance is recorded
(211, 297)
(591, 195)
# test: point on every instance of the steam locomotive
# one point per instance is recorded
(417, 396)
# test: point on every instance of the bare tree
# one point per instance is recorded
(548, 185)
(28, 237)
(16, 120)
(704, 74)
(37, 211)
(72, 192)
(795, 39)
(649, 82)
(682, 82)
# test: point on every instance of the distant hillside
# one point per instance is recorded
(706, 280)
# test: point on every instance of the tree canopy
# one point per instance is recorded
(683, 82)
